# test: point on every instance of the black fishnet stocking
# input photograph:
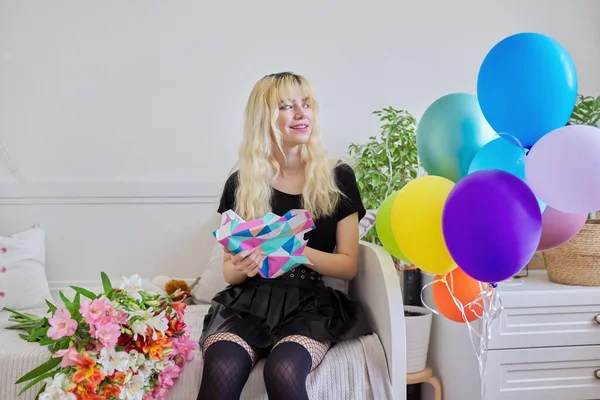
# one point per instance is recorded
(289, 364)
(230, 337)
(227, 365)
(315, 348)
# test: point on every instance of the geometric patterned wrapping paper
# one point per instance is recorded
(281, 238)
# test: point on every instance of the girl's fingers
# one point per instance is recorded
(250, 261)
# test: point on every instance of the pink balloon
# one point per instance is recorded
(559, 227)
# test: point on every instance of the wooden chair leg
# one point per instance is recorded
(437, 387)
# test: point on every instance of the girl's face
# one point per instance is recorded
(294, 120)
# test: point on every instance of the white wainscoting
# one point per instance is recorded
(121, 228)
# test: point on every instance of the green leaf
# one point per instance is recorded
(51, 307)
(38, 379)
(38, 333)
(106, 284)
(65, 300)
(586, 111)
(46, 341)
(84, 292)
(37, 396)
(76, 304)
(27, 316)
(45, 367)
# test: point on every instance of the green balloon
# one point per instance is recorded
(383, 225)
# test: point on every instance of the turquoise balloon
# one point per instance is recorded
(450, 133)
(503, 154)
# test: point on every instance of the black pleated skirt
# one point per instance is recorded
(263, 311)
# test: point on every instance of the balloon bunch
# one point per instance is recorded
(506, 177)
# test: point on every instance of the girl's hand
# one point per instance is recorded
(248, 261)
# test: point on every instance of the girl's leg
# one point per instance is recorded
(228, 360)
(289, 364)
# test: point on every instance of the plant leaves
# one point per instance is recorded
(84, 292)
(51, 307)
(45, 367)
(48, 374)
(75, 305)
(37, 396)
(106, 285)
(65, 300)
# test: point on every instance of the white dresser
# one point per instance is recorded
(545, 345)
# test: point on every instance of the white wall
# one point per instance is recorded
(149, 90)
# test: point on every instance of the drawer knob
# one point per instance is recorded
(597, 373)
(597, 319)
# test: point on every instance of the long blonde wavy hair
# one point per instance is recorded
(257, 165)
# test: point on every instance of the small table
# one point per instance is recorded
(426, 376)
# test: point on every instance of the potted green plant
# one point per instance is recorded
(383, 165)
(387, 162)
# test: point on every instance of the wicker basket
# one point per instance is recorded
(576, 262)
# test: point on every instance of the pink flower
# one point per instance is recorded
(185, 347)
(70, 357)
(108, 333)
(61, 324)
(160, 393)
(95, 310)
(168, 376)
(149, 396)
(119, 316)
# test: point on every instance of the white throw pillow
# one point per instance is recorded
(23, 281)
(211, 281)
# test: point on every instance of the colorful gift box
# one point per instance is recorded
(281, 238)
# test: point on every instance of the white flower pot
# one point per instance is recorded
(418, 329)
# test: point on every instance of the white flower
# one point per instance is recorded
(158, 323)
(54, 389)
(138, 328)
(147, 368)
(112, 360)
(132, 387)
(136, 359)
(133, 285)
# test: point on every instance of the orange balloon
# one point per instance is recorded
(465, 289)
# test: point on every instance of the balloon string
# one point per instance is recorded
(423, 299)
(519, 143)
(490, 304)
(523, 149)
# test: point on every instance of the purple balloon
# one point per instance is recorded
(563, 169)
(492, 225)
(559, 227)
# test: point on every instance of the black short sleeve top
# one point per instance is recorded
(322, 238)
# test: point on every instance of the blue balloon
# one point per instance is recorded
(503, 155)
(450, 133)
(527, 86)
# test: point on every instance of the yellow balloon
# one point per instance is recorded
(417, 223)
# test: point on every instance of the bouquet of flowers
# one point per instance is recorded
(125, 343)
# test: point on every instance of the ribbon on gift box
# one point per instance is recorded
(281, 238)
